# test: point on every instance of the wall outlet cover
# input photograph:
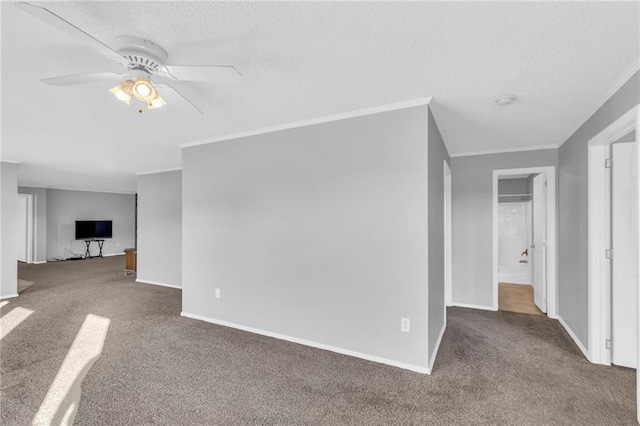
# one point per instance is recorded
(405, 325)
(217, 293)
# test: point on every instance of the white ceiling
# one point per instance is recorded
(300, 61)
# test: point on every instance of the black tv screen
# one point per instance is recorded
(93, 229)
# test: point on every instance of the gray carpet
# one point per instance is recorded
(160, 368)
(23, 285)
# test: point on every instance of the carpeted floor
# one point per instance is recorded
(159, 368)
(23, 285)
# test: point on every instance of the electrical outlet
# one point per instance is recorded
(217, 293)
(405, 325)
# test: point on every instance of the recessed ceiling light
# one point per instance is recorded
(505, 100)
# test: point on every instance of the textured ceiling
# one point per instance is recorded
(301, 61)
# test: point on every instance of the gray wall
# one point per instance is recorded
(317, 233)
(573, 282)
(65, 207)
(8, 229)
(160, 228)
(472, 203)
(437, 154)
(630, 137)
(39, 220)
(513, 186)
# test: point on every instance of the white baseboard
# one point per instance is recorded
(40, 262)
(574, 337)
(435, 350)
(10, 296)
(467, 305)
(112, 254)
(157, 283)
(416, 368)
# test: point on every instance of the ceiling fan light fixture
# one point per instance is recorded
(156, 103)
(143, 90)
(123, 91)
(140, 88)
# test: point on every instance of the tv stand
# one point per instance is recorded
(87, 252)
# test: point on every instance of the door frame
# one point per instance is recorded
(599, 234)
(448, 283)
(620, 193)
(552, 233)
(30, 223)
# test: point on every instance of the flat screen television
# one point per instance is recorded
(93, 229)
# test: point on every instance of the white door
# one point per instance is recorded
(624, 268)
(23, 211)
(447, 236)
(539, 246)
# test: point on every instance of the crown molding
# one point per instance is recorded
(313, 121)
(606, 95)
(505, 150)
(173, 169)
(83, 189)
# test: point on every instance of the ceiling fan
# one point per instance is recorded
(145, 63)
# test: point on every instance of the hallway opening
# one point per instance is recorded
(524, 240)
(516, 237)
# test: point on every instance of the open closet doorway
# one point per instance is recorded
(524, 240)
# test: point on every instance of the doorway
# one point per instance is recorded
(525, 253)
(515, 227)
(25, 228)
(613, 243)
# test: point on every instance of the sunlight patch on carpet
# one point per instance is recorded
(13, 319)
(62, 399)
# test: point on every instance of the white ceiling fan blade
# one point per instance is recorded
(164, 87)
(69, 80)
(217, 73)
(75, 32)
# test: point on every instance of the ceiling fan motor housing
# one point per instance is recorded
(141, 53)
